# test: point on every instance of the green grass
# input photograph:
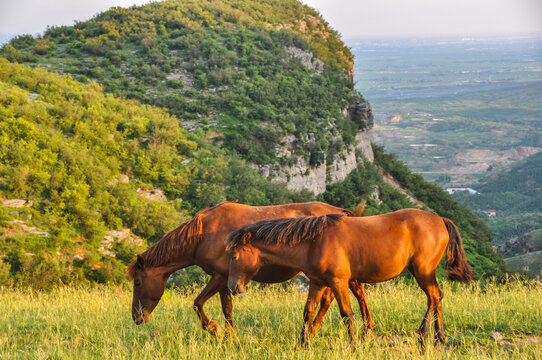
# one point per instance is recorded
(81, 323)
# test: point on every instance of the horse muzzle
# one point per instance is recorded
(141, 318)
(236, 288)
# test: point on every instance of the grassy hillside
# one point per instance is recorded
(87, 163)
(517, 197)
(79, 157)
(530, 264)
(530, 242)
(96, 324)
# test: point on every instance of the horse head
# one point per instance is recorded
(244, 264)
(149, 285)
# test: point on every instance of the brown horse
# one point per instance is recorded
(333, 250)
(202, 241)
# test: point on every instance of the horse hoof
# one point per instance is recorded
(230, 333)
(214, 328)
(440, 339)
(355, 345)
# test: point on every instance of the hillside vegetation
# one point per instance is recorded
(515, 194)
(517, 198)
(253, 71)
(99, 177)
(80, 157)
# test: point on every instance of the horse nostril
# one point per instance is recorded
(235, 290)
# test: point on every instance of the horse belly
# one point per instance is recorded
(373, 269)
(275, 274)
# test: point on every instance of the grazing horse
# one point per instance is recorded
(334, 250)
(202, 241)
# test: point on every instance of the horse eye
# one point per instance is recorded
(137, 283)
(234, 257)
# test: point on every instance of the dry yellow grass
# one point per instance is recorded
(83, 323)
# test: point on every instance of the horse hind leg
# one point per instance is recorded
(325, 302)
(429, 285)
(359, 292)
(439, 321)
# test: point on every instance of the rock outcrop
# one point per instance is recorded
(301, 175)
(307, 58)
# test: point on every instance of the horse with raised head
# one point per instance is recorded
(334, 250)
(202, 242)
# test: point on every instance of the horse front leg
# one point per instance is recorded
(340, 289)
(216, 283)
(227, 307)
(315, 293)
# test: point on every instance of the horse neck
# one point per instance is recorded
(171, 266)
(169, 260)
(181, 261)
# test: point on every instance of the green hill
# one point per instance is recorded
(530, 264)
(76, 165)
(254, 71)
(515, 194)
(98, 176)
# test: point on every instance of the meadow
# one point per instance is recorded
(95, 323)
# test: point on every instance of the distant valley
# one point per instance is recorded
(466, 113)
(437, 101)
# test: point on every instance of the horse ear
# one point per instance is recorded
(247, 237)
(140, 262)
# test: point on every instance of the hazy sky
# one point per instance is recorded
(350, 17)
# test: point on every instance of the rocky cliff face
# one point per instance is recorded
(302, 176)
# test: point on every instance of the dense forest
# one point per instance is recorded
(162, 110)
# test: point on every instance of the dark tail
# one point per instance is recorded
(457, 267)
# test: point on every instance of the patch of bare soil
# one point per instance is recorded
(479, 161)
(510, 341)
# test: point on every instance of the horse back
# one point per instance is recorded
(229, 216)
(378, 248)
